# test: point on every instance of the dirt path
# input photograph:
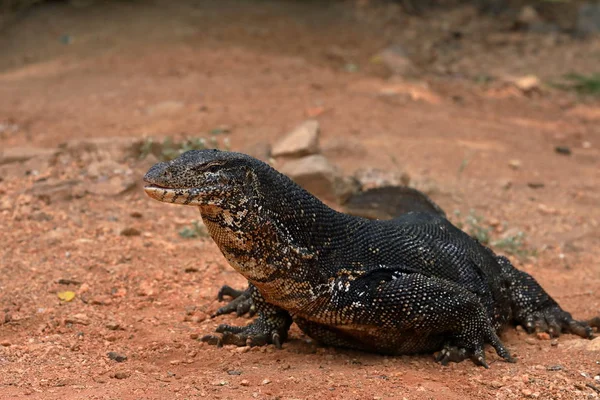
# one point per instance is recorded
(75, 218)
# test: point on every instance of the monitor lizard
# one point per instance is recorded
(412, 284)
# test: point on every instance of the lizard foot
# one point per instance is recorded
(271, 329)
(555, 321)
(241, 302)
(457, 353)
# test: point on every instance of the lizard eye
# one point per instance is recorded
(212, 167)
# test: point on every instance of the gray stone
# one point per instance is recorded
(369, 178)
(21, 154)
(315, 174)
(55, 190)
(301, 141)
(114, 148)
(396, 60)
(588, 19)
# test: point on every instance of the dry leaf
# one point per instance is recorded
(66, 296)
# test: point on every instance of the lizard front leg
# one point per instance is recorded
(271, 326)
(241, 302)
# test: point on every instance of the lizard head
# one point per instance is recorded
(201, 178)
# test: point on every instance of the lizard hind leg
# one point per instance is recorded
(536, 311)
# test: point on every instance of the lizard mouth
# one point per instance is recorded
(184, 196)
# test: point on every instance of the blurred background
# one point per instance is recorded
(488, 107)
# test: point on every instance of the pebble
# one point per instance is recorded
(234, 372)
(116, 356)
(5, 318)
(242, 350)
(563, 150)
(555, 368)
(5, 343)
(543, 336)
(265, 382)
(496, 384)
(113, 325)
(245, 382)
(101, 300)
(514, 164)
(122, 374)
(130, 231)
(531, 341)
(80, 319)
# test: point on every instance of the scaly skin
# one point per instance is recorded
(409, 285)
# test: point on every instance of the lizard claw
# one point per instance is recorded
(241, 302)
(555, 321)
(212, 340)
(451, 354)
(262, 331)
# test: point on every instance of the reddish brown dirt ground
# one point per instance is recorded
(132, 70)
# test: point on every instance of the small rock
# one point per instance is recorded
(536, 185)
(527, 84)
(5, 343)
(396, 60)
(104, 168)
(122, 374)
(555, 368)
(145, 289)
(259, 150)
(219, 383)
(130, 231)
(136, 214)
(114, 148)
(531, 341)
(111, 187)
(244, 382)
(527, 18)
(563, 150)
(315, 174)
(116, 356)
(514, 164)
(526, 392)
(21, 154)
(80, 319)
(547, 210)
(496, 384)
(369, 178)
(165, 107)
(588, 19)
(505, 184)
(52, 191)
(5, 317)
(554, 342)
(101, 300)
(113, 325)
(194, 335)
(543, 336)
(301, 141)
(234, 372)
(243, 349)
(265, 382)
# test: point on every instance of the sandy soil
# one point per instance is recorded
(74, 217)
